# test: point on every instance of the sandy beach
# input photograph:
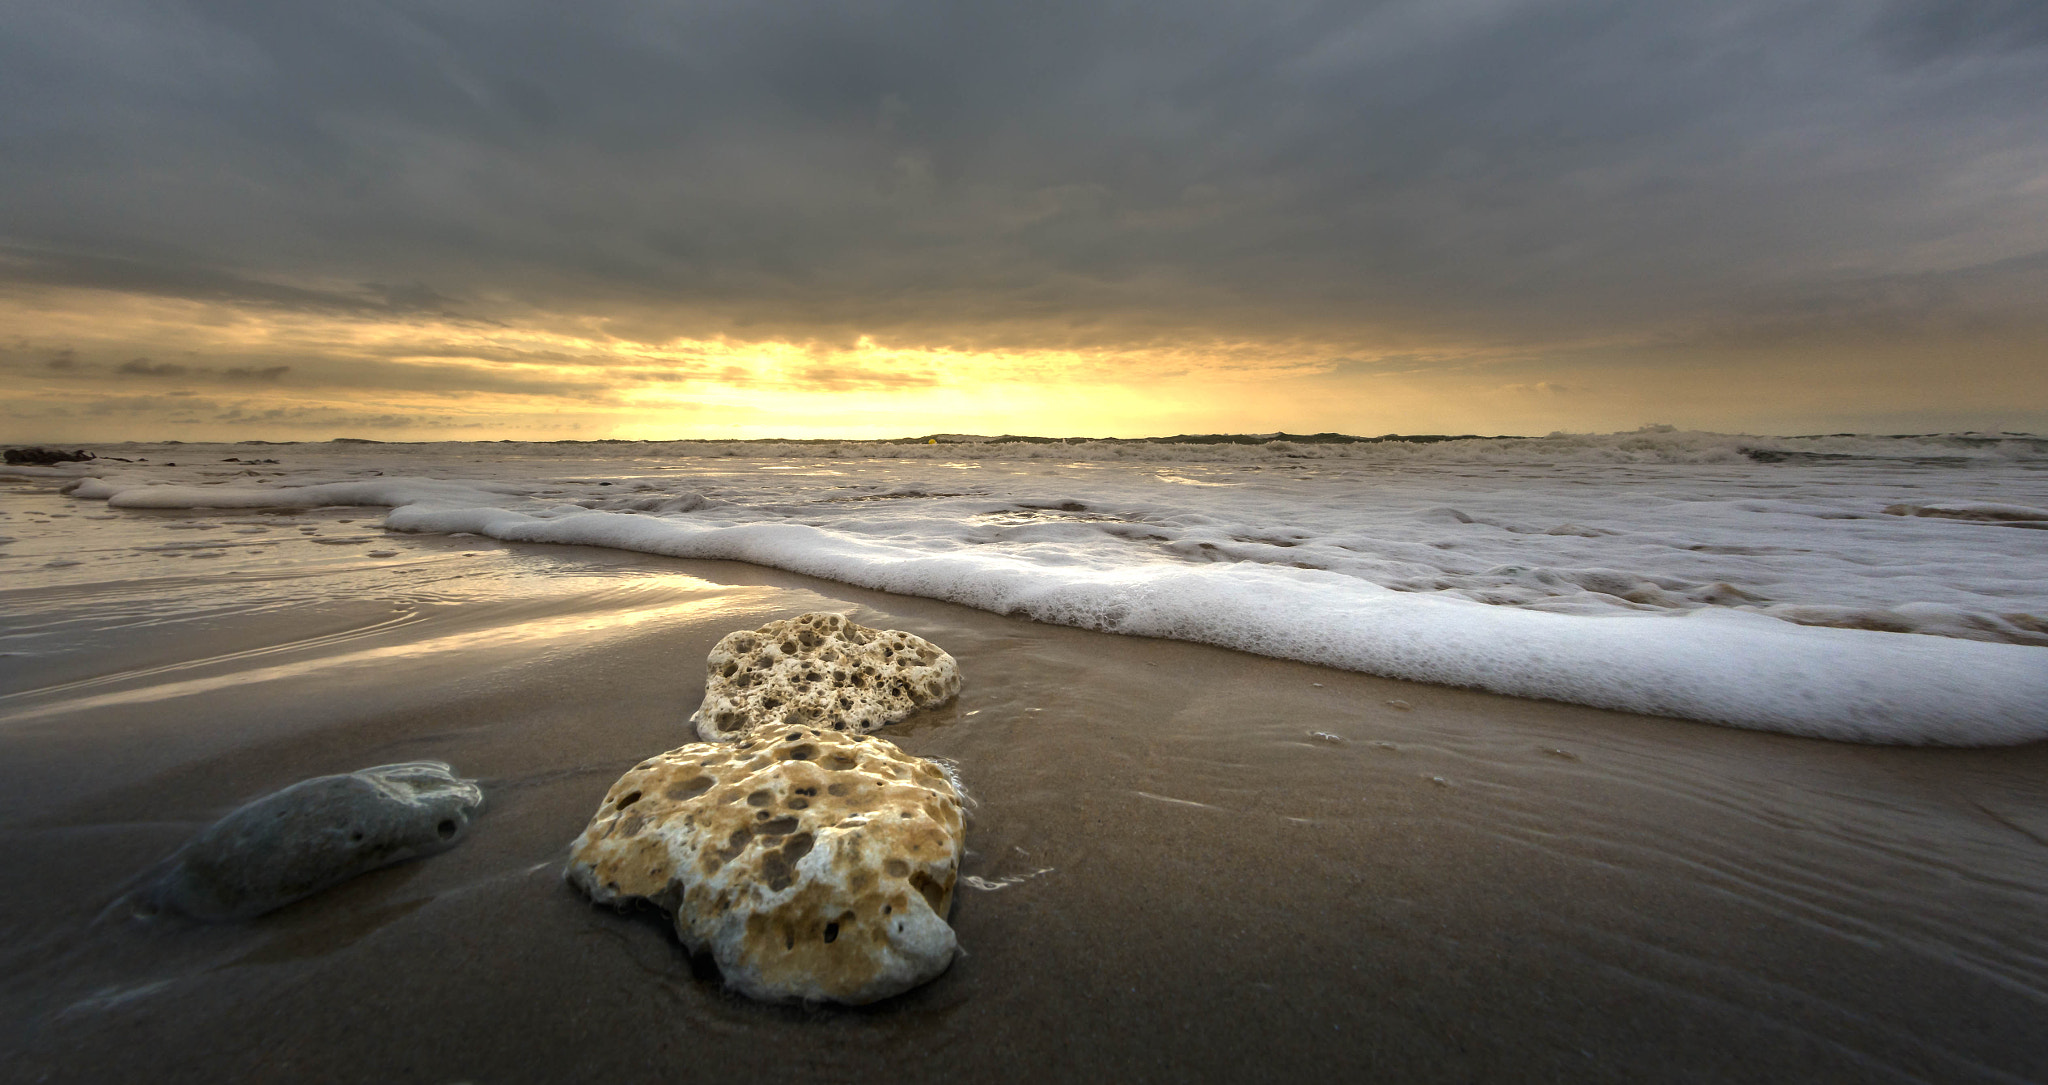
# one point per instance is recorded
(1185, 863)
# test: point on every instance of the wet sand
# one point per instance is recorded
(1178, 878)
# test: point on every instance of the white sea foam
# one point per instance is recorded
(1760, 582)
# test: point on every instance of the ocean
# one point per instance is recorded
(1755, 582)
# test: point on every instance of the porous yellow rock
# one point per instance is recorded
(810, 864)
(820, 670)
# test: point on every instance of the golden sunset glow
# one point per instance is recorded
(91, 365)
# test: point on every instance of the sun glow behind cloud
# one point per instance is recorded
(99, 365)
(87, 365)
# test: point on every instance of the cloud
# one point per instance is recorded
(832, 378)
(158, 407)
(188, 276)
(143, 367)
(1952, 304)
(1925, 31)
(249, 373)
(1068, 175)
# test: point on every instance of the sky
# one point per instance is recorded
(624, 218)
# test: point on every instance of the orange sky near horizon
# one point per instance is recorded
(96, 365)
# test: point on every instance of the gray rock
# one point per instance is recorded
(314, 834)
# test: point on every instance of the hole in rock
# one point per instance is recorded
(690, 789)
(934, 893)
(446, 828)
(628, 799)
(775, 871)
(759, 798)
(781, 826)
(831, 932)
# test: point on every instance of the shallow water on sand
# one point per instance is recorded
(1185, 862)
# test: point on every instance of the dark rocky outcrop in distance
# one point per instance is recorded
(44, 457)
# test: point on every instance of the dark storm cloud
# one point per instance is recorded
(1053, 173)
(2003, 296)
(1930, 30)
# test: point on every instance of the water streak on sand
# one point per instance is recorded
(319, 655)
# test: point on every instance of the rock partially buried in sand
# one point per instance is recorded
(314, 834)
(811, 864)
(820, 670)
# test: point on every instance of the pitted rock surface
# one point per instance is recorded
(810, 864)
(293, 843)
(820, 670)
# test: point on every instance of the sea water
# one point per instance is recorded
(1860, 588)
